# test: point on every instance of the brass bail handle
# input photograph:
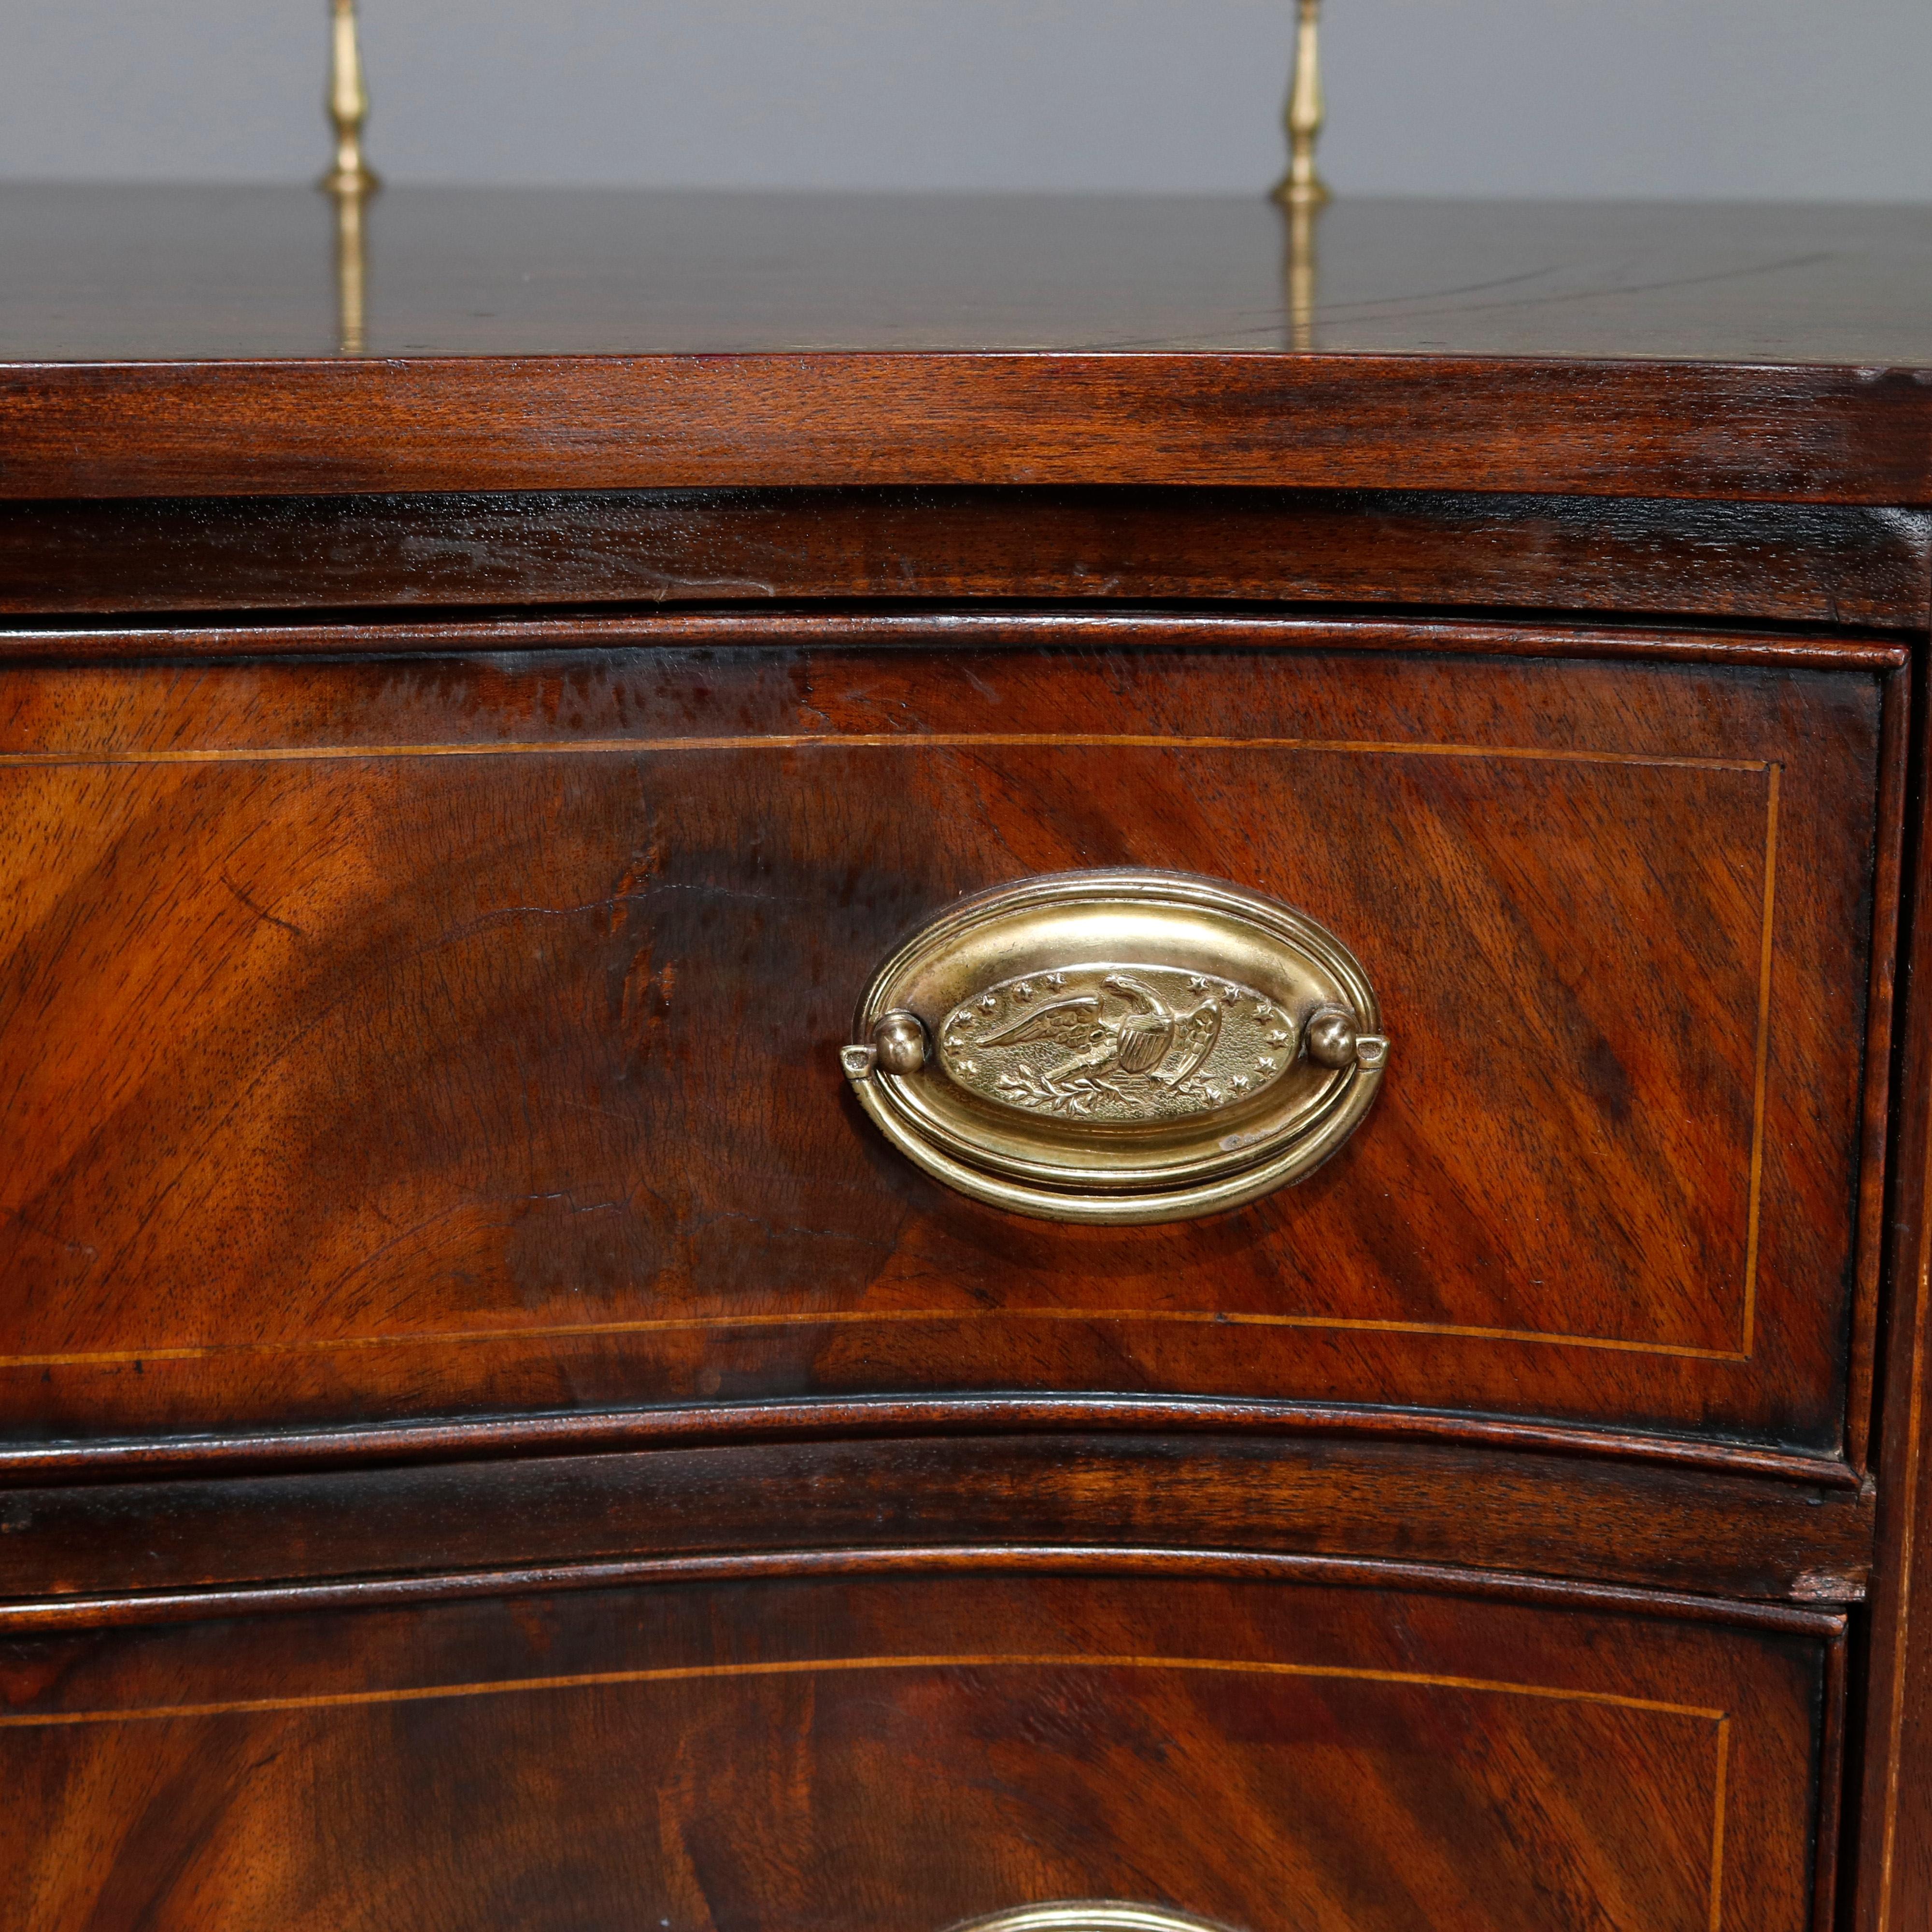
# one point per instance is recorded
(1118, 1046)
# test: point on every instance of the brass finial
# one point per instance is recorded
(1302, 187)
(351, 181)
(348, 107)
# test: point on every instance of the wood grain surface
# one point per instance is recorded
(1789, 563)
(929, 1749)
(395, 1039)
(1571, 1516)
(1703, 431)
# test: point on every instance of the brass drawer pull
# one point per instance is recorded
(1089, 1915)
(1118, 1046)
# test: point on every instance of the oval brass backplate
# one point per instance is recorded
(1118, 1046)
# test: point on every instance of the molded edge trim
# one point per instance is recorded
(604, 1431)
(949, 627)
(1788, 433)
(1876, 1134)
(230, 559)
(56, 1616)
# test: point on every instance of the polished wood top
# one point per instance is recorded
(173, 340)
(136, 274)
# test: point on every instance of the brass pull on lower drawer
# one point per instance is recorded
(1090, 1914)
(1118, 1046)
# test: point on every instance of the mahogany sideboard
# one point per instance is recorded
(569, 1359)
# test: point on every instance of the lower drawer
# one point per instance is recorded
(900, 1752)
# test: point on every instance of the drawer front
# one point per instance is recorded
(381, 1039)
(873, 1756)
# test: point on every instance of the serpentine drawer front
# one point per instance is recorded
(391, 1038)
(904, 1753)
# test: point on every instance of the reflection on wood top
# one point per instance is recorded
(187, 342)
(98, 273)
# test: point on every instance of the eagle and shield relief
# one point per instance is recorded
(1127, 1043)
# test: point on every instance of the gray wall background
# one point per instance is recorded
(1816, 99)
